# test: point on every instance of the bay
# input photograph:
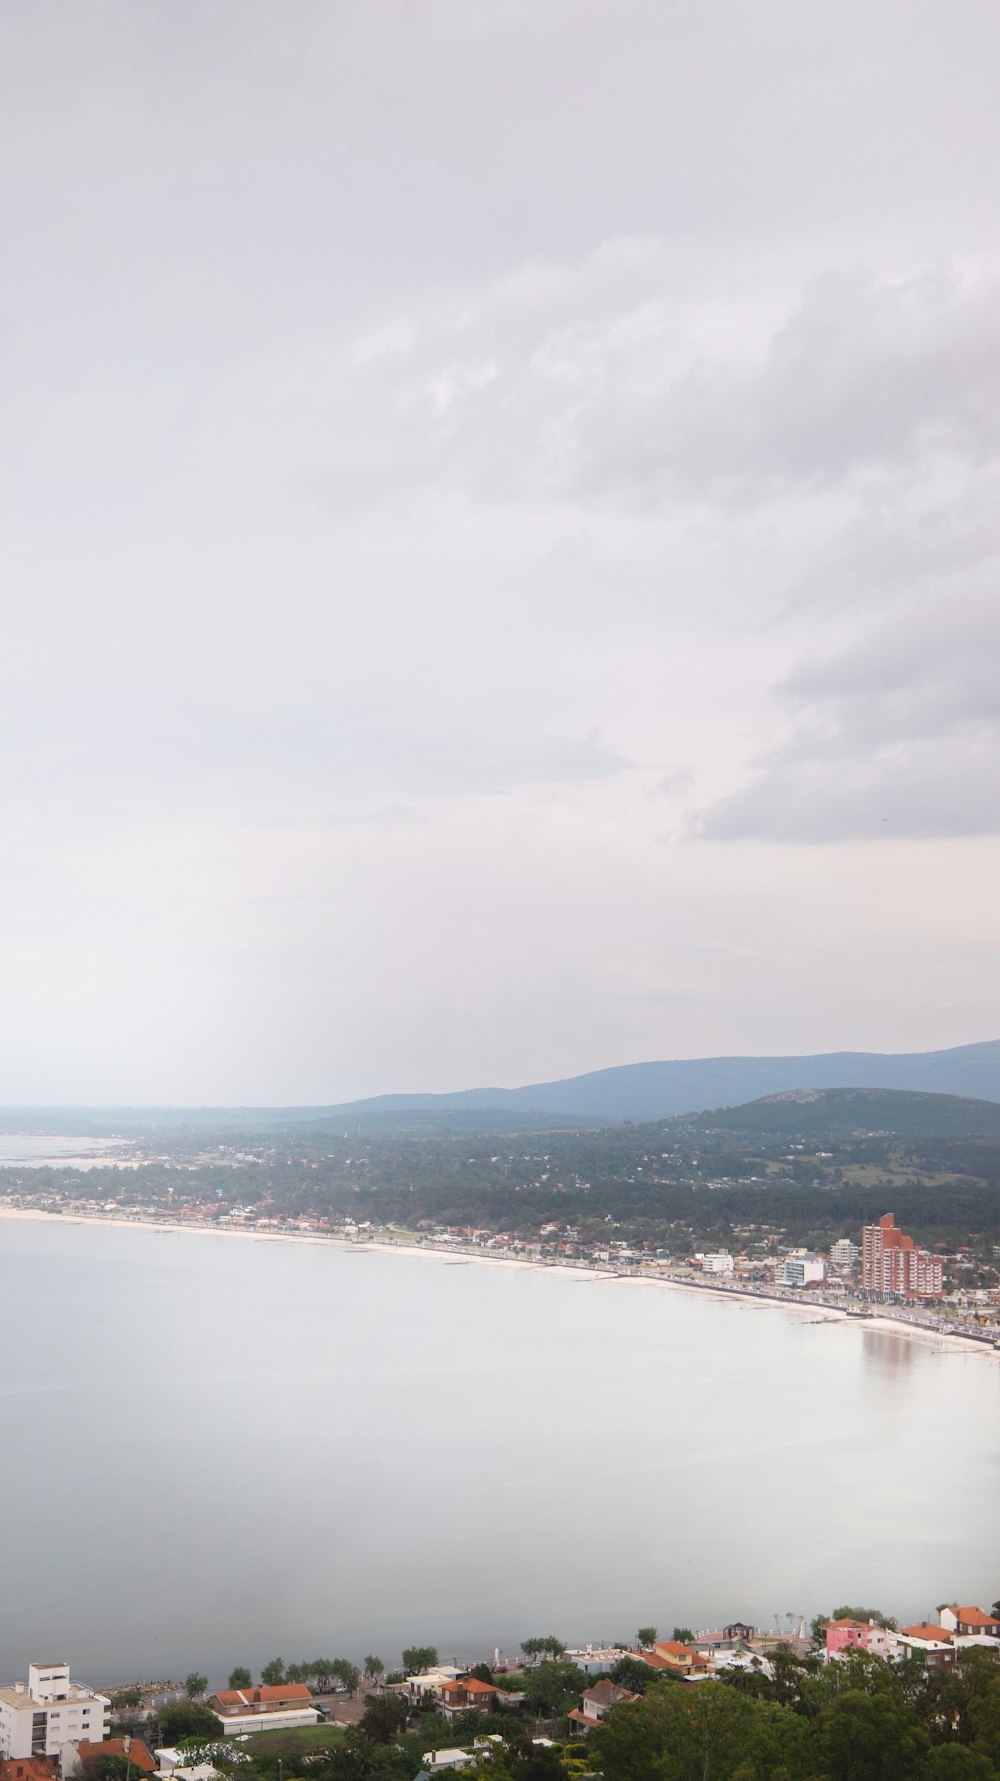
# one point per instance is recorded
(217, 1450)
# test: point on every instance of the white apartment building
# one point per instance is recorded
(720, 1262)
(37, 1719)
(844, 1253)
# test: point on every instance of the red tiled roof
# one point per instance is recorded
(264, 1696)
(923, 1630)
(607, 1694)
(28, 1768)
(91, 1749)
(974, 1617)
(673, 1648)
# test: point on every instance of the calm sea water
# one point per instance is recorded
(216, 1450)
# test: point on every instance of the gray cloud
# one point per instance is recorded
(896, 736)
(441, 444)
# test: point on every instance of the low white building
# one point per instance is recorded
(802, 1268)
(37, 1719)
(430, 1682)
(719, 1262)
(288, 1707)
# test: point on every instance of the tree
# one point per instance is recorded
(683, 1635)
(631, 1673)
(547, 1645)
(323, 1670)
(876, 1614)
(419, 1657)
(273, 1673)
(187, 1719)
(677, 1733)
(346, 1672)
(551, 1688)
(647, 1635)
(955, 1762)
(195, 1686)
(384, 1716)
(374, 1668)
(240, 1678)
(866, 1737)
(108, 1768)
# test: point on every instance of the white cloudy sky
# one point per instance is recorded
(500, 541)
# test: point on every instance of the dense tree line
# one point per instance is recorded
(646, 1181)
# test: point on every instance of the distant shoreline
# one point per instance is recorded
(816, 1313)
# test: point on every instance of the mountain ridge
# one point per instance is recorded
(661, 1089)
(621, 1092)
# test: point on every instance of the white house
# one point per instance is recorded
(38, 1719)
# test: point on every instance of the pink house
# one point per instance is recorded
(856, 1635)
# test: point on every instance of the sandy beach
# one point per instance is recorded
(884, 1322)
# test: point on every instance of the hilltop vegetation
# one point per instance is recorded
(839, 1113)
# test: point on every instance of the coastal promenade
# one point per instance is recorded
(897, 1319)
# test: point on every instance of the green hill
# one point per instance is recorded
(840, 1113)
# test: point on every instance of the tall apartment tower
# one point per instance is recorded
(892, 1266)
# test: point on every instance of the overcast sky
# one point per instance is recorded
(500, 539)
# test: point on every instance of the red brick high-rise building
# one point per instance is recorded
(892, 1267)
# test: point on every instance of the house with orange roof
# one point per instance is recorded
(931, 1644)
(89, 1751)
(284, 1708)
(29, 1768)
(970, 1623)
(672, 1657)
(465, 1692)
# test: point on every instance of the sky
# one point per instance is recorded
(498, 539)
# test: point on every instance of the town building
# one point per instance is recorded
(594, 1703)
(844, 1253)
(802, 1268)
(718, 1262)
(674, 1658)
(285, 1708)
(931, 1644)
(29, 1768)
(858, 1635)
(970, 1623)
(78, 1758)
(893, 1267)
(39, 1718)
(430, 1682)
(468, 1691)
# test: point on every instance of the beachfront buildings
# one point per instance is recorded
(40, 1717)
(892, 1266)
(844, 1253)
(801, 1268)
(287, 1708)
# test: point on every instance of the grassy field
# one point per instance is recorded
(307, 1737)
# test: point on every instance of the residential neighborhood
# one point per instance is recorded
(54, 1729)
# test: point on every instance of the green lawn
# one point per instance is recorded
(307, 1737)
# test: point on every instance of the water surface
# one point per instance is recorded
(220, 1449)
